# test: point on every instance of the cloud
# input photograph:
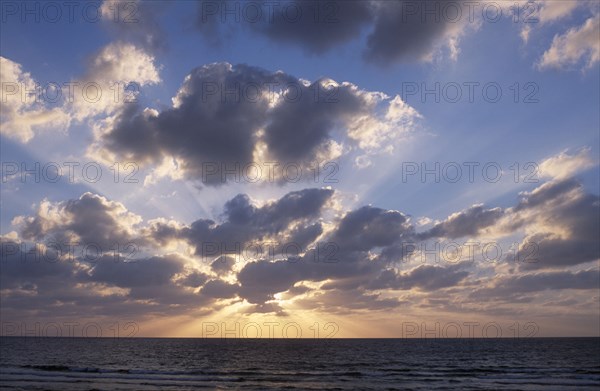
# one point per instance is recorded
(120, 61)
(219, 289)
(315, 27)
(40, 280)
(359, 252)
(578, 44)
(368, 227)
(404, 32)
(153, 272)
(347, 264)
(227, 116)
(429, 278)
(469, 222)
(344, 302)
(90, 220)
(547, 193)
(544, 12)
(195, 279)
(244, 224)
(25, 104)
(136, 21)
(566, 165)
(550, 11)
(509, 287)
(398, 31)
(318, 27)
(113, 79)
(223, 264)
(563, 223)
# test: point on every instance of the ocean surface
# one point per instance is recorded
(28, 363)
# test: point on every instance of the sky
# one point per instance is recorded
(294, 168)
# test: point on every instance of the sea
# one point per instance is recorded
(45, 363)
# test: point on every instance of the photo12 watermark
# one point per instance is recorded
(88, 92)
(470, 92)
(332, 12)
(119, 329)
(468, 172)
(322, 91)
(69, 12)
(54, 251)
(469, 329)
(453, 252)
(323, 252)
(269, 172)
(70, 172)
(272, 330)
(467, 11)
(269, 12)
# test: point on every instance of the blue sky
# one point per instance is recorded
(550, 131)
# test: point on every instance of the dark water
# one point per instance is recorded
(368, 364)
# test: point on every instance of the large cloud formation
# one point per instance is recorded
(226, 116)
(400, 31)
(285, 252)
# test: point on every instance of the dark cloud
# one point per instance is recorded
(261, 280)
(282, 275)
(297, 127)
(219, 289)
(297, 290)
(344, 301)
(222, 114)
(363, 240)
(313, 25)
(194, 279)
(223, 264)
(26, 266)
(403, 31)
(399, 31)
(469, 222)
(566, 207)
(266, 308)
(205, 127)
(94, 220)
(306, 235)
(431, 278)
(547, 193)
(155, 271)
(369, 227)
(357, 234)
(54, 286)
(518, 285)
(317, 26)
(245, 222)
(548, 251)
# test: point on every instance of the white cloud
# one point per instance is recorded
(103, 90)
(550, 11)
(112, 70)
(578, 44)
(24, 109)
(565, 165)
(376, 134)
(122, 61)
(539, 13)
